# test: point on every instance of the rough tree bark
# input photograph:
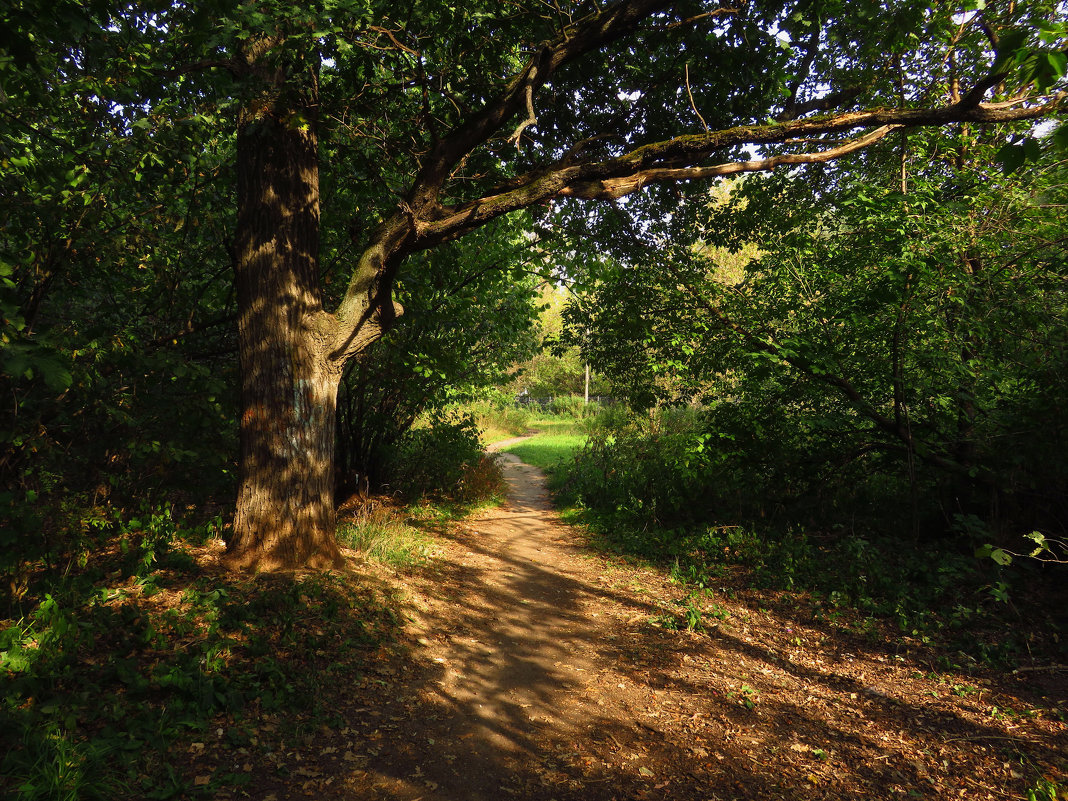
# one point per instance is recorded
(292, 352)
(285, 507)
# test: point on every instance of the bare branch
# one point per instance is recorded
(692, 105)
(530, 120)
(392, 37)
(826, 103)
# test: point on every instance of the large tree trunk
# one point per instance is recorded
(289, 376)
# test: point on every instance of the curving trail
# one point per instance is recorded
(532, 670)
(524, 641)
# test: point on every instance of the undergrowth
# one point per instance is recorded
(936, 596)
(104, 668)
(668, 487)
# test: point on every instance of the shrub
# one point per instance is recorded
(435, 459)
(654, 471)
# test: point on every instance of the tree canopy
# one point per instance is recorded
(316, 147)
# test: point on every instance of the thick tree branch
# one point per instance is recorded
(834, 100)
(614, 189)
(367, 309)
(421, 221)
(593, 32)
(676, 159)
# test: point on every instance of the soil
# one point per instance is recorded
(533, 667)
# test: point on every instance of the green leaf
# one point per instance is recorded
(1058, 62)
(1011, 158)
(1032, 149)
(1060, 137)
(55, 375)
(1010, 49)
(999, 555)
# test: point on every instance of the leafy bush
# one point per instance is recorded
(656, 471)
(672, 486)
(439, 458)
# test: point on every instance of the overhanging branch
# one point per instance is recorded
(678, 159)
(613, 189)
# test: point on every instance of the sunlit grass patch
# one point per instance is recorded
(385, 538)
(548, 451)
(557, 426)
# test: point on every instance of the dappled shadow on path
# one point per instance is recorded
(533, 673)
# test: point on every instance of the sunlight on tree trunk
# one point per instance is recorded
(285, 508)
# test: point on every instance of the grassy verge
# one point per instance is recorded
(386, 538)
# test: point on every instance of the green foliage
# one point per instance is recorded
(694, 613)
(651, 471)
(116, 371)
(1046, 789)
(499, 418)
(99, 683)
(468, 316)
(878, 351)
(444, 458)
(646, 490)
(573, 406)
(1042, 549)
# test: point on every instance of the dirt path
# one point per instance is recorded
(523, 636)
(535, 670)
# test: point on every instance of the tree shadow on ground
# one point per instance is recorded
(522, 666)
(551, 684)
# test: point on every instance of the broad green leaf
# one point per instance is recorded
(1011, 158)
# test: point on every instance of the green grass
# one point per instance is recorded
(548, 451)
(557, 426)
(385, 540)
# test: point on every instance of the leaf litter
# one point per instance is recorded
(527, 668)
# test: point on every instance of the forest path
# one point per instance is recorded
(535, 668)
(524, 635)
